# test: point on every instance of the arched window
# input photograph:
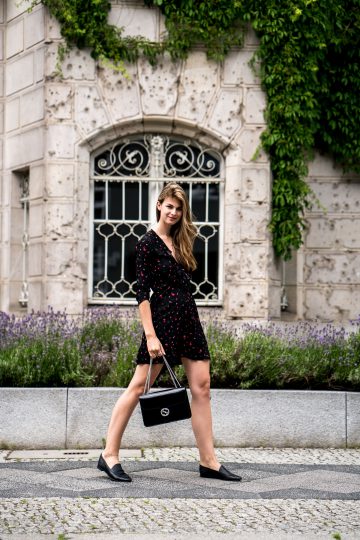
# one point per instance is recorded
(126, 180)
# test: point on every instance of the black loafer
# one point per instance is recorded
(221, 474)
(116, 472)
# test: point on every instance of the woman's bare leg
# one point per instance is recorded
(123, 410)
(198, 374)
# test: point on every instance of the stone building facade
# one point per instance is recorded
(84, 154)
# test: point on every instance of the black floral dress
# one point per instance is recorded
(174, 312)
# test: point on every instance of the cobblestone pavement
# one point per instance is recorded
(186, 516)
(305, 456)
(307, 494)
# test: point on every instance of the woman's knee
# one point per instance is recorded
(201, 389)
(136, 390)
(136, 387)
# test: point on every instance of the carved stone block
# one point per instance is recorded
(158, 86)
(12, 115)
(59, 101)
(19, 73)
(337, 196)
(60, 180)
(255, 185)
(226, 117)
(59, 257)
(136, 20)
(32, 106)
(198, 83)
(249, 300)
(329, 303)
(121, 95)
(249, 141)
(59, 218)
(255, 103)
(90, 113)
(31, 143)
(254, 221)
(332, 268)
(14, 38)
(34, 28)
(60, 141)
(333, 233)
(237, 70)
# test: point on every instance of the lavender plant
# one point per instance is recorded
(302, 356)
(98, 349)
(39, 349)
(109, 340)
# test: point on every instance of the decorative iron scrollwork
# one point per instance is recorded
(127, 177)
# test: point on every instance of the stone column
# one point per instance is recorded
(23, 135)
(331, 251)
(251, 275)
(3, 216)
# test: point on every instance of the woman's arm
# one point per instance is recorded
(153, 344)
(146, 319)
(143, 273)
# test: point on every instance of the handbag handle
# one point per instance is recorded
(174, 379)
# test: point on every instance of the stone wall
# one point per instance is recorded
(78, 418)
(3, 217)
(53, 125)
(323, 278)
(24, 120)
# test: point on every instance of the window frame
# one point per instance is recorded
(156, 184)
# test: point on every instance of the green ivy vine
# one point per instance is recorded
(309, 57)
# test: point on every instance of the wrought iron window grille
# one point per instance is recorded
(24, 201)
(126, 179)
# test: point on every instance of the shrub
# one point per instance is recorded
(99, 349)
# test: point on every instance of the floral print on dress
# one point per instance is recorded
(174, 312)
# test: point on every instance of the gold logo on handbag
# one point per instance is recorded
(163, 406)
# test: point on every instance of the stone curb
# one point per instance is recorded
(78, 418)
(181, 536)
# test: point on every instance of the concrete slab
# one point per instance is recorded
(88, 415)
(353, 419)
(78, 418)
(42, 455)
(241, 418)
(33, 417)
(89, 411)
(314, 419)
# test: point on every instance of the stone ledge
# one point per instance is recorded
(78, 418)
(33, 417)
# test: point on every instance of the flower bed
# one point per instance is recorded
(98, 349)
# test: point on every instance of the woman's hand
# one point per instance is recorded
(154, 347)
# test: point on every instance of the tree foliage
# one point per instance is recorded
(309, 53)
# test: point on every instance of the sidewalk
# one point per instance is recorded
(285, 493)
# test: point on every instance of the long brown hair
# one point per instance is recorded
(184, 231)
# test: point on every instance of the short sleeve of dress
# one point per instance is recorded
(143, 270)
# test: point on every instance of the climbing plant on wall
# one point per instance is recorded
(309, 57)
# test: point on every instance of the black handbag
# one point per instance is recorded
(163, 406)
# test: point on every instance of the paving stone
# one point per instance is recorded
(167, 480)
(239, 455)
(66, 454)
(188, 517)
(261, 455)
(286, 494)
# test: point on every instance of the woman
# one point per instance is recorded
(164, 260)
